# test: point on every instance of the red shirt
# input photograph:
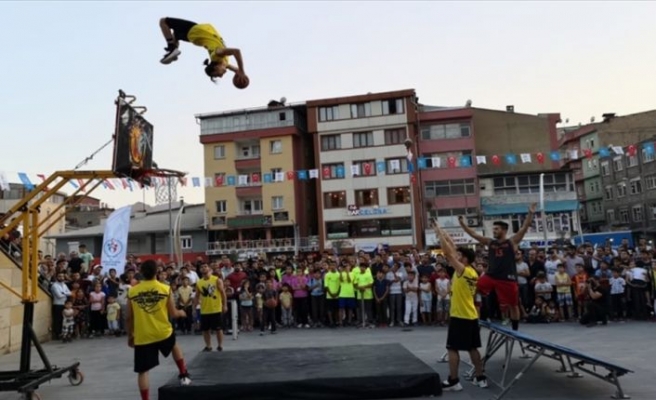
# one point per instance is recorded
(236, 278)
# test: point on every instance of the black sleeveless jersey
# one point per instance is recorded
(501, 260)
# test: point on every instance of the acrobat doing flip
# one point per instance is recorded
(206, 36)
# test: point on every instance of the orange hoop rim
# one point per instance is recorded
(163, 173)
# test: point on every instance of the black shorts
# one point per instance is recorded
(211, 322)
(180, 27)
(463, 334)
(332, 304)
(146, 356)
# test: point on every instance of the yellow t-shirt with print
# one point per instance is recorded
(463, 290)
(211, 301)
(149, 300)
(204, 35)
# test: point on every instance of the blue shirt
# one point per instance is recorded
(318, 291)
(380, 287)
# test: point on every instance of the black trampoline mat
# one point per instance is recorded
(381, 371)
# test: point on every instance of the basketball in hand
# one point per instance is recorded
(240, 81)
(271, 303)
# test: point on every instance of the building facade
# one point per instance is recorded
(89, 211)
(365, 196)
(9, 198)
(628, 183)
(254, 200)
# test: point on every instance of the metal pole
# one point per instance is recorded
(543, 210)
(168, 182)
(412, 213)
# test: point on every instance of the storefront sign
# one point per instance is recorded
(355, 211)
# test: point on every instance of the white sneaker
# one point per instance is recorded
(307, 326)
(449, 386)
(184, 380)
(170, 56)
(299, 326)
(481, 383)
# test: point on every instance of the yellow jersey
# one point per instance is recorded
(204, 35)
(149, 301)
(332, 281)
(346, 289)
(363, 279)
(463, 291)
(211, 301)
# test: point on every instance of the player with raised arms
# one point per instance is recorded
(464, 332)
(206, 36)
(501, 275)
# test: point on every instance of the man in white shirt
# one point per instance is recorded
(396, 276)
(523, 274)
(551, 267)
(60, 293)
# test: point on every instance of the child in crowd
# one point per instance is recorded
(317, 299)
(113, 312)
(617, 296)
(286, 300)
(552, 312)
(426, 296)
(564, 292)
(68, 322)
(411, 289)
(538, 313)
(580, 285)
(271, 298)
(542, 287)
(246, 304)
(381, 293)
(442, 291)
(185, 303)
(96, 309)
(259, 301)
(122, 300)
(81, 306)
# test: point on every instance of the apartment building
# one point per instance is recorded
(581, 154)
(628, 183)
(253, 200)
(364, 192)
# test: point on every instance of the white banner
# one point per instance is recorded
(115, 240)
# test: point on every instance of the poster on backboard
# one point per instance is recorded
(133, 142)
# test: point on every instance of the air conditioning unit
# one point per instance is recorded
(472, 221)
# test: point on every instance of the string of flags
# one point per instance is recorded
(369, 168)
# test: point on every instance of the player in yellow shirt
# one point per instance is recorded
(464, 332)
(206, 36)
(149, 309)
(211, 296)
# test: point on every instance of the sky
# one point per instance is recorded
(62, 64)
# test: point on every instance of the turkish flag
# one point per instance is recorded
(496, 160)
(451, 161)
(290, 175)
(587, 153)
(367, 168)
(218, 181)
(326, 173)
(632, 150)
(413, 179)
(540, 158)
(255, 178)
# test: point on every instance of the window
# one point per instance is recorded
(275, 146)
(252, 151)
(219, 152)
(369, 228)
(596, 207)
(218, 220)
(221, 206)
(328, 113)
(363, 139)
(455, 187)
(394, 106)
(605, 168)
(277, 203)
(621, 189)
(632, 161)
(624, 216)
(445, 131)
(652, 214)
(647, 157)
(186, 243)
(636, 186)
(444, 159)
(527, 184)
(398, 195)
(396, 166)
(366, 197)
(332, 171)
(395, 136)
(249, 207)
(334, 200)
(617, 164)
(610, 216)
(593, 164)
(609, 193)
(331, 142)
(361, 110)
(651, 182)
(365, 167)
(594, 187)
(636, 213)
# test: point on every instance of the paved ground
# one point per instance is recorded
(107, 362)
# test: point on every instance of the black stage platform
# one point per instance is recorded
(320, 373)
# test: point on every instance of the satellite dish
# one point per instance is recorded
(283, 99)
(468, 103)
(567, 120)
(592, 119)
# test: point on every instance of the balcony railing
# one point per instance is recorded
(264, 246)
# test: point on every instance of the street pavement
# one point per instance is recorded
(107, 362)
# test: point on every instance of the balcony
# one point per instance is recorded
(283, 245)
(250, 189)
(578, 175)
(250, 221)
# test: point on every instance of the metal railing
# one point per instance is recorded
(264, 245)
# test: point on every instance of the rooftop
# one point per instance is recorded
(252, 110)
(156, 219)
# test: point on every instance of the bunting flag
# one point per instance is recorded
(370, 168)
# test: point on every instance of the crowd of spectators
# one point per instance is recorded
(398, 289)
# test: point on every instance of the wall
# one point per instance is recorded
(285, 161)
(11, 309)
